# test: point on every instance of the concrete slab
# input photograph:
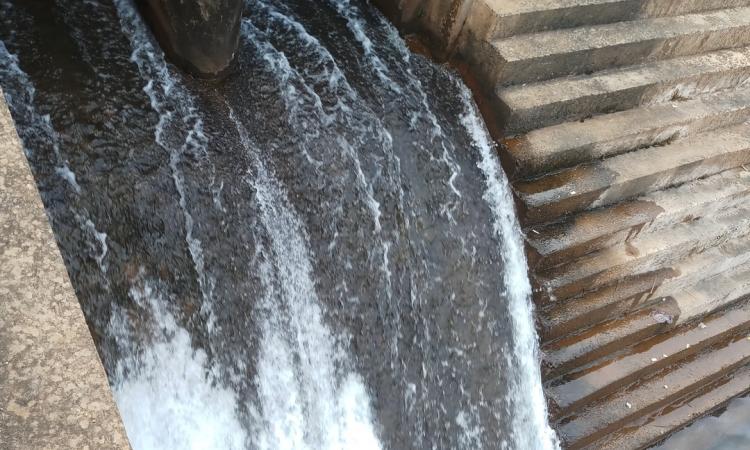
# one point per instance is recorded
(565, 145)
(593, 230)
(664, 423)
(492, 19)
(600, 419)
(635, 365)
(552, 54)
(54, 393)
(679, 280)
(538, 105)
(644, 254)
(633, 174)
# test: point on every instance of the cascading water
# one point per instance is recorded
(317, 252)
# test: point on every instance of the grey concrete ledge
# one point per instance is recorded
(53, 389)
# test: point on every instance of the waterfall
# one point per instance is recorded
(163, 387)
(306, 401)
(320, 251)
(528, 407)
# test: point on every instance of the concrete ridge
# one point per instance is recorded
(54, 392)
(568, 144)
(551, 54)
(546, 103)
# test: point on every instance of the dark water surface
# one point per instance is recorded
(317, 252)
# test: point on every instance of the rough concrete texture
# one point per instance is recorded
(53, 390)
(542, 56)
(631, 366)
(570, 143)
(650, 396)
(548, 103)
(670, 282)
(596, 229)
(201, 36)
(659, 426)
(631, 174)
(492, 19)
(645, 253)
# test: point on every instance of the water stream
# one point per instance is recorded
(318, 251)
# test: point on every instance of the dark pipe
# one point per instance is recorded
(200, 36)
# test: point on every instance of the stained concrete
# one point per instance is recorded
(53, 389)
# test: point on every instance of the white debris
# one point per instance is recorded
(654, 359)
(628, 405)
(701, 325)
(666, 387)
(662, 318)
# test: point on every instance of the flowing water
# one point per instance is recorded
(318, 251)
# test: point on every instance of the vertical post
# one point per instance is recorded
(200, 36)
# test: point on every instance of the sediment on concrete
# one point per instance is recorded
(53, 389)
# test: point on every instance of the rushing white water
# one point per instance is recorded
(162, 386)
(527, 408)
(307, 398)
(166, 392)
(101, 240)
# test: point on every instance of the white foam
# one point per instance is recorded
(308, 398)
(101, 238)
(528, 409)
(163, 388)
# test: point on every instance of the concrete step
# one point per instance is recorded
(630, 294)
(491, 19)
(712, 294)
(565, 318)
(633, 174)
(593, 230)
(641, 255)
(641, 400)
(543, 56)
(591, 347)
(575, 352)
(648, 358)
(537, 105)
(565, 145)
(642, 434)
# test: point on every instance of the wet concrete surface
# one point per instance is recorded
(730, 430)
